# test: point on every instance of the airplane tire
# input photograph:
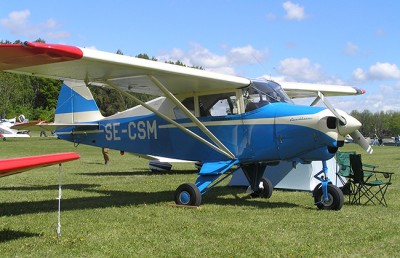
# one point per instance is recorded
(188, 194)
(335, 201)
(266, 190)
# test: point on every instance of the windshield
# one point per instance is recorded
(261, 93)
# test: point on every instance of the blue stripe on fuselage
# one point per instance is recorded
(258, 141)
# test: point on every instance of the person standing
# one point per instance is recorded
(106, 155)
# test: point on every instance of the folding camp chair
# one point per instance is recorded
(343, 171)
(368, 184)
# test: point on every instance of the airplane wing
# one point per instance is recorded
(17, 165)
(310, 90)
(129, 73)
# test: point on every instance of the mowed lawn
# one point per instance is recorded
(124, 210)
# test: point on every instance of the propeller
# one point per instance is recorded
(360, 140)
(347, 125)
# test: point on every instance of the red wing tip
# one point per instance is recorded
(17, 56)
(359, 91)
(68, 51)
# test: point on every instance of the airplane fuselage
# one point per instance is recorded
(278, 131)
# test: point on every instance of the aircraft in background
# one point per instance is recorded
(7, 132)
(218, 120)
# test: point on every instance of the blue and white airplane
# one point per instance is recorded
(219, 120)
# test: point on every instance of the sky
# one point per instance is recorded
(335, 42)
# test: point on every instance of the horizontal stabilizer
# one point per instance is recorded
(43, 126)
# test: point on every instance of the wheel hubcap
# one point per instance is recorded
(328, 202)
(184, 197)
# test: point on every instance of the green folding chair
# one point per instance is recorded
(343, 171)
(369, 185)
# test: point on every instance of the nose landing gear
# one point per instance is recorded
(326, 195)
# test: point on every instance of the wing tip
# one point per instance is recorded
(56, 50)
(359, 91)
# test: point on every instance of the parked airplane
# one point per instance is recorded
(7, 132)
(219, 120)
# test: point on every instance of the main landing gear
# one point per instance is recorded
(190, 194)
(326, 195)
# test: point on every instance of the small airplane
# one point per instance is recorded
(219, 121)
(18, 165)
(7, 132)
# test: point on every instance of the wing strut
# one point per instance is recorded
(189, 114)
(169, 120)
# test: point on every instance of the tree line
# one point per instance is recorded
(36, 98)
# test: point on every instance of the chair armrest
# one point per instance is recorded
(370, 166)
(385, 174)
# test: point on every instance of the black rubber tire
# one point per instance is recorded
(335, 195)
(188, 194)
(266, 192)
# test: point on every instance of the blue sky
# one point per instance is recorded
(338, 42)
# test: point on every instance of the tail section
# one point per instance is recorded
(76, 104)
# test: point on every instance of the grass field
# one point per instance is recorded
(123, 210)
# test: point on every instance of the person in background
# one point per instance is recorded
(106, 155)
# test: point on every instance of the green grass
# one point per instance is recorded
(123, 210)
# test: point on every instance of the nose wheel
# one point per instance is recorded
(333, 202)
(326, 195)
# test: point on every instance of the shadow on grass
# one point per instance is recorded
(49, 187)
(8, 235)
(216, 197)
(111, 198)
(141, 173)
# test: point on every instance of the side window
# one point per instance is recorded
(218, 104)
(222, 104)
(189, 104)
(224, 107)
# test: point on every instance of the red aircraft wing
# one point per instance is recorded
(17, 165)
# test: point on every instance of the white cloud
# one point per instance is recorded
(271, 16)
(351, 49)
(382, 71)
(378, 71)
(18, 23)
(293, 11)
(245, 55)
(197, 55)
(380, 33)
(359, 75)
(300, 69)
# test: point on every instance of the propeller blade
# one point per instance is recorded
(331, 108)
(360, 140)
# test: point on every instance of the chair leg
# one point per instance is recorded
(381, 192)
(375, 198)
(354, 197)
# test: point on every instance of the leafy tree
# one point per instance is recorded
(15, 94)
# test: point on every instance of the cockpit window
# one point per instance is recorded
(261, 93)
